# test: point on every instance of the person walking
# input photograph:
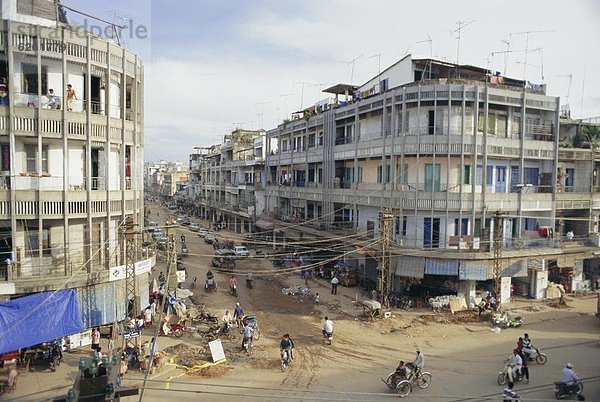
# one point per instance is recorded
(334, 285)
(509, 395)
(95, 339)
(238, 314)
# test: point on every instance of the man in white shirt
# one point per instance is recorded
(516, 363)
(419, 361)
(327, 327)
(334, 285)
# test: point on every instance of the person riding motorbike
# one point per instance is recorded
(327, 327)
(569, 377)
(516, 362)
(527, 346)
(249, 279)
(227, 321)
(287, 344)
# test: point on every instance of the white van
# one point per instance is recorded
(241, 251)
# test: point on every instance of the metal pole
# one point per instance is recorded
(498, 230)
(386, 276)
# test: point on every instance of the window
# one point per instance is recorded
(404, 223)
(284, 146)
(31, 158)
(34, 247)
(320, 135)
(402, 174)
(311, 140)
(491, 123)
(464, 174)
(380, 175)
(531, 176)
(397, 226)
(30, 79)
(5, 157)
(463, 228)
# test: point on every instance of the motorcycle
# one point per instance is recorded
(328, 337)
(278, 262)
(205, 316)
(175, 330)
(249, 283)
(193, 284)
(233, 291)
(285, 360)
(505, 321)
(537, 356)
(506, 375)
(562, 390)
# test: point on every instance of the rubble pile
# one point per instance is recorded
(185, 355)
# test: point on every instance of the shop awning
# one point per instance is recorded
(411, 267)
(516, 269)
(474, 271)
(264, 225)
(38, 318)
(441, 267)
(565, 262)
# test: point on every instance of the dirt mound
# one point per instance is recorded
(211, 371)
(461, 317)
(186, 355)
(264, 363)
(559, 305)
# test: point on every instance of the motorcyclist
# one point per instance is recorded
(527, 346)
(249, 279)
(209, 274)
(287, 344)
(568, 375)
(516, 362)
(327, 327)
(227, 321)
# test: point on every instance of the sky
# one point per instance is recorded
(213, 66)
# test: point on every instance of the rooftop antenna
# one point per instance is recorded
(352, 70)
(310, 84)
(378, 55)
(461, 25)
(570, 77)
(526, 33)
(284, 96)
(430, 41)
(507, 43)
(582, 91)
(260, 114)
(116, 33)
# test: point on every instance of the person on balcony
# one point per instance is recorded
(53, 100)
(3, 91)
(71, 95)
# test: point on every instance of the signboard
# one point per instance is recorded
(216, 350)
(180, 276)
(119, 272)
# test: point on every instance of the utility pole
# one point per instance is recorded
(171, 255)
(386, 279)
(498, 231)
(133, 307)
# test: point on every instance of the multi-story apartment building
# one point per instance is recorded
(71, 138)
(226, 176)
(443, 147)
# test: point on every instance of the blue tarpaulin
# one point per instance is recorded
(40, 317)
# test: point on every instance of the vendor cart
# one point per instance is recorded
(371, 308)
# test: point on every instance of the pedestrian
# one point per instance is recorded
(71, 95)
(161, 279)
(525, 368)
(95, 339)
(317, 299)
(509, 395)
(147, 316)
(334, 285)
(238, 314)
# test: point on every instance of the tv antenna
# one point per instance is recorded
(260, 114)
(429, 62)
(461, 25)
(310, 84)
(284, 96)
(570, 77)
(527, 33)
(352, 70)
(117, 30)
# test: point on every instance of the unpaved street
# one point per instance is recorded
(464, 358)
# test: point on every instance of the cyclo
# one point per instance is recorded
(404, 386)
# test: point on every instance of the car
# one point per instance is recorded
(194, 227)
(202, 232)
(241, 251)
(210, 239)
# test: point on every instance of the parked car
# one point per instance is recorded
(194, 227)
(202, 232)
(241, 251)
(224, 258)
(210, 239)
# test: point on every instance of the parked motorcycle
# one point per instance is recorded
(205, 316)
(233, 291)
(562, 390)
(175, 330)
(249, 283)
(505, 321)
(506, 375)
(247, 346)
(193, 284)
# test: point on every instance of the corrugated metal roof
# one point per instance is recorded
(441, 267)
(412, 267)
